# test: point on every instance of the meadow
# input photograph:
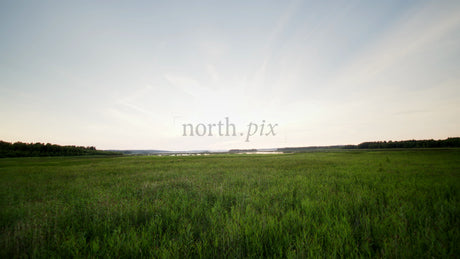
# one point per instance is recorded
(386, 203)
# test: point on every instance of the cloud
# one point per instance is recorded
(187, 85)
(258, 79)
(415, 34)
(212, 72)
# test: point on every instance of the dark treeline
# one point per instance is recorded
(430, 143)
(20, 149)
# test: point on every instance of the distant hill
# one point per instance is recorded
(157, 152)
(138, 152)
(306, 149)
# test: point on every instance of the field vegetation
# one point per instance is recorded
(386, 203)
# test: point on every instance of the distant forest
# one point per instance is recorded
(430, 143)
(19, 149)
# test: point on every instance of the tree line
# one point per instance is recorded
(429, 143)
(20, 149)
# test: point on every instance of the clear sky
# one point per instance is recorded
(129, 74)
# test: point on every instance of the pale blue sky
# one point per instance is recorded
(128, 74)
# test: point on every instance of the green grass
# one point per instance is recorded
(322, 204)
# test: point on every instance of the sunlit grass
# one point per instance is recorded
(369, 204)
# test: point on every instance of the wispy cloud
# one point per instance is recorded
(187, 85)
(328, 71)
(417, 32)
(259, 77)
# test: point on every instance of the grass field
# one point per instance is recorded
(402, 203)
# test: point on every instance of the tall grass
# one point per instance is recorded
(334, 204)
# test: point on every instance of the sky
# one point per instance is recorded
(131, 74)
